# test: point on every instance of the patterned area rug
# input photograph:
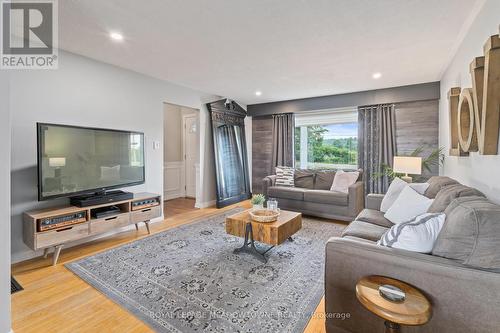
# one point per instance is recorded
(187, 279)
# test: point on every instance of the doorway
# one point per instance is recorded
(181, 158)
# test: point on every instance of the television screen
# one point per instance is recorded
(75, 160)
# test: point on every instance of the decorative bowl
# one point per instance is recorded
(264, 215)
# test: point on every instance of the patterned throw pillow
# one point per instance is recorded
(418, 235)
(284, 176)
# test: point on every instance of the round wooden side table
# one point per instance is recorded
(413, 311)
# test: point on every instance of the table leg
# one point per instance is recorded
(147, 227)
(290, 239)
(249, 245)
(391, 327)
(57, 251)
(45, 253)
(136, 227)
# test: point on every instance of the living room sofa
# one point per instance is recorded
(311, 195)
(464, 297)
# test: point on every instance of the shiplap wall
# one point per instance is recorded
(417, 124)
(262, 138)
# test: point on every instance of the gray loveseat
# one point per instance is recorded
(458, 277)
(311, 195)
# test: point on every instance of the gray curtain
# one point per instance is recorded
(283, 127)
(377, 144)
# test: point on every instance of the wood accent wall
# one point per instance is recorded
(262, 139)
(417, 124)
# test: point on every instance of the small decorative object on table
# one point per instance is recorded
(264, 215)
(258, 201)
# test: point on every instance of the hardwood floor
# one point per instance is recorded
(56, 300)
(178, 206)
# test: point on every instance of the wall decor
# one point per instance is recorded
(230, 152)
(475, 112)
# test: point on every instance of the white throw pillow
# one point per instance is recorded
(284, 176)
(343, 180)
(418, 235)
(395, 189)
(407, 206)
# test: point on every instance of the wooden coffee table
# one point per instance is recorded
(413, 311)
(273, 233)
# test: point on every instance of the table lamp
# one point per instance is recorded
(407, 165)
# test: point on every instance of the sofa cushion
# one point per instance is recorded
(324, 179)
(364, 230)
(304, 178)
(471, 233)
(450, 193)
(326, 197)
(286, 192)
(436, 183)
(375, 217)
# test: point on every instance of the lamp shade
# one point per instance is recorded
(408, 165)
(56, 162)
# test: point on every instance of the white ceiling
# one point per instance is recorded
(285, 48)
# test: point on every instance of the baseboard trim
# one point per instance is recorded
(205, 204)
(27, 255)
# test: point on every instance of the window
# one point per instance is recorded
(327, 139)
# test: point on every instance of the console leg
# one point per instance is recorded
(45, 252)
(136, 227)
(57, 251)
(147, 226)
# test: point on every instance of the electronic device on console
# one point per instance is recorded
(102, 212)
(62, 221)
(141, 204)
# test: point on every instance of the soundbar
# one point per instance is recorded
(56, 222)
(99, 199)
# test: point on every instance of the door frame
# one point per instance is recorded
(184, 131)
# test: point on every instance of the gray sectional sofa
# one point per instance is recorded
(461, 276)
(311, 195)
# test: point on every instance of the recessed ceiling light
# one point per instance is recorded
(116, 36)
(377, 75)
(258, 93)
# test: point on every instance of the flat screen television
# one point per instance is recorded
(75, 160)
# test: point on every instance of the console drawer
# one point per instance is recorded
(98, 226)
(56, 237)
(145, 214)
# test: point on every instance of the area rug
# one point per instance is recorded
(187, 279)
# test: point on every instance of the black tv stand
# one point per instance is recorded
(99, 198)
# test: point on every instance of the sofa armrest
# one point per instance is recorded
(462, 298)
(373, 201)
(267, 182)
(356, 198)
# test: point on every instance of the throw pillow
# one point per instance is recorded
(418, 235)
(284, 176)
(343, 180)
(323, 179)
(407, 206)
(471, 233)
(395, 189)
(304, 178)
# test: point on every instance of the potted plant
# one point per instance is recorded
(258, 201)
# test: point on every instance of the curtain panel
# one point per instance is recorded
(283, 130)
(377, 144)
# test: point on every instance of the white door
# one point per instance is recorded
(191, 149)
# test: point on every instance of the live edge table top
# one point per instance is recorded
(273, 233)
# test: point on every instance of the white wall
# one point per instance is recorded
(476, 170)
(88, 93)
(4, 204)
